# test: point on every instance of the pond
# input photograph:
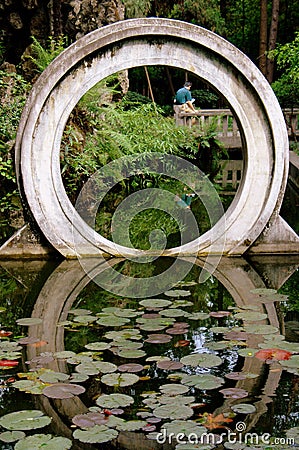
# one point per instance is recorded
(209, 365)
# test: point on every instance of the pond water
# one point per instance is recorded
(90, 369)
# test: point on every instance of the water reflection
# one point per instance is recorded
(60, 293)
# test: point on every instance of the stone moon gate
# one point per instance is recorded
(252, 222)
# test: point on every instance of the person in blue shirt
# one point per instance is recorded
(184, 98)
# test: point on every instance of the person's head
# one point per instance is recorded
(188, 84)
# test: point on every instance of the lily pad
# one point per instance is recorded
(29, 321)
(63, 390)
(197, 316)
(292, 365)
(203, 381)
(247, 352)
(96, 435)
(112, 321)
(152, 303)
(53, 377)
(89, 419)
(85, 319)
(11, 436)
(119, 379)
(95, 367)
(129, 333)
(177, 293)
(130, 367)
(64, 354)
(251, 316)
(173, 411)
(45, 441)
(260, 329)
(79, 312)
(173, 312)
(98, 346)
(114, 400)
(180, 399)
(206, 360)
(169, 365)
(186, 427)
(173, 389)
(131, 425)
(24, 420)
(158, 339)
(243, 408)
(234, 393)
(134, 354)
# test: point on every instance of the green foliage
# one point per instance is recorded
(137, 8)
(287, 85)
(41, 56)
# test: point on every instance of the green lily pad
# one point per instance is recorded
(25, 420)
(173, 411)
(204, 381)
(11, 436)
(63, 390)
(206, 360)
(251, 316)
(53, 377)
(127, 312)
(153, 303)
(45, 441)
(169, 365)
(180, 399)
(173, 312)
(247, 352)
(64, 354)
(173, 389)
(78, 377)
(292, 365)
(197, 316)
(114, 400)
(112, 321)
(119, 379)
(98, 346)
(234, 393)
(177, 293)
(95, 367)
(29, 321)
(186, 427)
(79, 312)
(130, 367)
(131, 425)
(134, 354)
(85, 319)
(32, 387)
(96, 435)
(260, 329)
(244, 408)
(129, 333)
(126, 344)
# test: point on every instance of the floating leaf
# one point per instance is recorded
(260, 329)
(185, 427)
(173, 389)
(176, 330)
(63, 390)
(130, 367)
(112, 321)
(173, 312)
(11, 436)
(219, 314)
(45, 441)
(169, 365)
(206, 360)
(152, 303)
(89, 419)
(114, 400)
(177, 293)
(240, 375)
(78, 377)
(203, 381)
(273, 354)
(251, 316)
(95, 367)
(158, 338)
(197, 316)
(129, 333)
(53, 377)
(247, 352)
(292, 365)
(29, 321)
(8, 363)
(127, 353)
(64, 354)
(131, 425)
(119, 379)
(96, 434)
(234, 393)
(98, 346)
(243, 408)
(173, 411)
(24, 420)
(79, 312)
(85, 319)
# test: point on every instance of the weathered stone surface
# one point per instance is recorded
(141, 42)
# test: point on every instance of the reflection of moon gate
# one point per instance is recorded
(141, 42)
(65, 284)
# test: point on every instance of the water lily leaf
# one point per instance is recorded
(206, 360)
(158, 338)
(186, 427)
(251, 316)
(247, 352)
(127, 353)
(240, 375)
(85, 319)
(197, 316)
(173, 312)
(10, 346)
(243, 408)
(126, 344)
(292, 365)
(64, 354)
(158, 358)
(130, 367)
(173, 411)
(293, 433)
(94, 367)
(236, 336)
(180, 399)
(127, 312)
(78, 377)
(46, 441)
(273, 354)
(234, 393)
(29, 321)
(129, 333)
(260, 329)
(120, 379)
(177, 293)
(98, 346)
(169, 365)
(89, 419)
(181, 303)
(114, 400)
(63, 390)
(11, 436)
(219, 330)
(24, 420)
(152, 303)
(112, 321)
(203, 381)
(32, 387)
(79, 312)
(53, 377)
(173, 389)
(96, 434)
(131, 425)
(219, 314)
(291, 347)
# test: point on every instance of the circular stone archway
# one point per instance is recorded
(141, 42)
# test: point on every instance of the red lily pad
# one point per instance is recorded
(234, 393)
(8, 363)
(63, 390)
(177, 330)
(89, 419)
(158, 339)
(169, 365)
(130, 367)
(273, 354)
(219, 314)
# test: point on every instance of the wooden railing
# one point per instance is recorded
(226, 124)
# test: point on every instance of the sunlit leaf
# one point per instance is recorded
(243, 408)
(234, 393)
(273, 354)
(64, 354)
(173, 411)
(173, 389)
(205, 381)
(79, 312)
(173, 312)
(178, 399)
(98, 346)
(247, 352)
(53, 377)
(260, 329)
(89, 419)
(129, 333)
(219, 314)
(197, 316)
(114, 400)
(85, 319)
(169, 365)
(29, 321)
(130, 367)
(158, 338)
(134, 354)
(119, 379)
(11, 436)
(152, 303)
(95, 367)
(63, 390)
(251, 316)
(112, 321)
(177, 293)
(131, 425)
(96, 434)
(202, 360)
(44, 441)
(24, 420)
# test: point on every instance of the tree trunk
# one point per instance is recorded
(263, 37)
(272, 38)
